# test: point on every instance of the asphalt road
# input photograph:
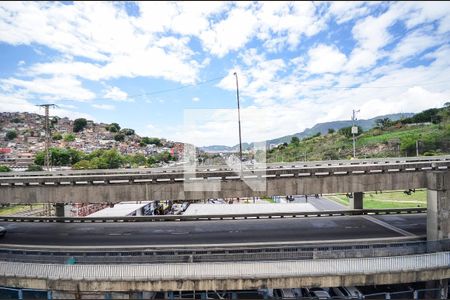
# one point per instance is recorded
(208, 232)
(320, 203)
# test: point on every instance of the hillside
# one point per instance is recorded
(321, 127)
(391, 138)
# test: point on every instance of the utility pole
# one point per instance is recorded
(354, 131)
(47, 134)
(417, 147)
(239, 119)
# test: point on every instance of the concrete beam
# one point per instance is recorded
(438, 205)
(205, 189)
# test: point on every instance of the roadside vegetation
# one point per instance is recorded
(429, 130)
(12, 209)
(100, 159)
(387, 199)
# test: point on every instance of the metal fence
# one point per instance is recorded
(186, 255)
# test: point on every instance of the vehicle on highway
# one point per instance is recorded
(318, 293)
(291, 293)
(2, 231)
(346, 292)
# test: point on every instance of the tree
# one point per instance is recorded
(10, 135)
(69, 137)
(4, 169)
(34, 168)
(120, 137)
(151, 141)
(79, 124)
(57, 136)
(347, 131)
(295, 140)
(127, 131)
(331, 130)
(113, 127)
(383, 123)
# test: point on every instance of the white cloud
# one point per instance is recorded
(414, 44)
(325, 59)
(54, 89)
(116, 94)
(18, 102)
(119, 46)
(104, 106)
(345, 11)
(196, 99)
(231, 33)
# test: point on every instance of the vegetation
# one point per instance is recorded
(4, 169)
(386, 139)
(79, 124)
(127, 131)
(10, 135)
(391, 199)
(120, 137)
(69, 137)
(57, 136)
(98, 159)
(150, 141)
(34, 168)
(113, 127)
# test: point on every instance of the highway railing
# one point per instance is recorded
(217, 254)
(174, 218)
(251, 168)
(47, 180)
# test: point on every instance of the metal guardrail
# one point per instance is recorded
(334, 251)
(48, 179)
(214, 168)
(173, 218)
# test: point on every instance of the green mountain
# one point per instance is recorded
(321, 127)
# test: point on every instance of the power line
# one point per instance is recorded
(179, 88)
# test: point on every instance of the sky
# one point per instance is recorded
(166, 69)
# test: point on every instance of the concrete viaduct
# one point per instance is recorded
(294, 178)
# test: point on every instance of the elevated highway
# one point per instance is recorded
(193, 243)
(175, 184)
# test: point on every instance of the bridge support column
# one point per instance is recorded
(356, 202)
(59, 209)
(438, 205)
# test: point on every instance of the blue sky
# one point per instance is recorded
(166, 68)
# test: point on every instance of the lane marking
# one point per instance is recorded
(389, 226)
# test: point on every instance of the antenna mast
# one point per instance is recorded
(47, 134)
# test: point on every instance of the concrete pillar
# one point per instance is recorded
(356, 202)
(443, 285)
(438, 205)
(59, 209)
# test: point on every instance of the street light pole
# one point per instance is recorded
(239, 119)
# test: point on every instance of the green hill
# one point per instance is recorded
(430, 129)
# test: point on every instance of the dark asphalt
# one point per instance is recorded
(208, 232)
(415, 224)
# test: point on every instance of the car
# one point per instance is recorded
(2, 231)
(319, 293)
(346, 292)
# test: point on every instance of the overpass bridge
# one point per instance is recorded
(114, 186)
(364, 263)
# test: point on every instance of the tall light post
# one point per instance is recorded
(354, 131)
(239, 119)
